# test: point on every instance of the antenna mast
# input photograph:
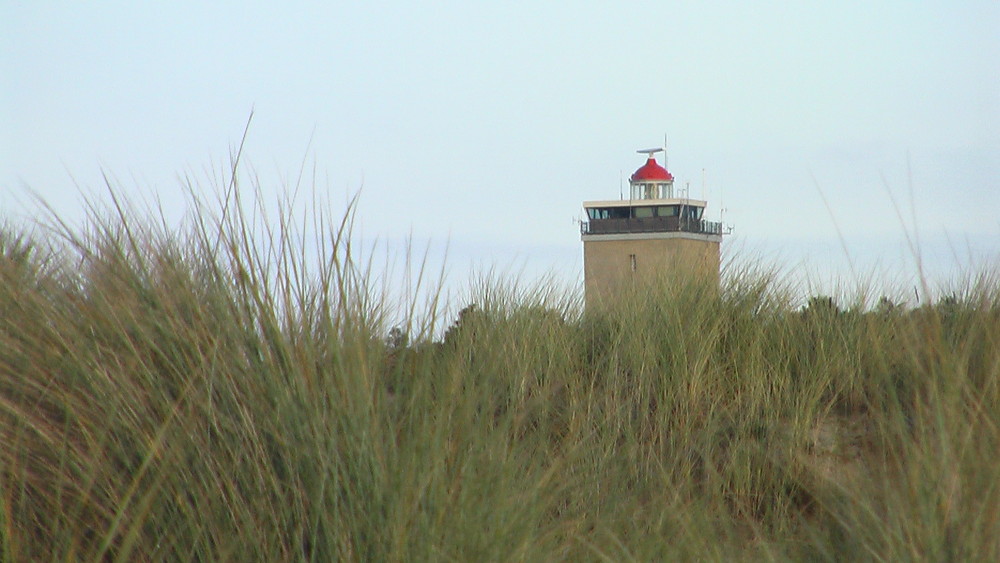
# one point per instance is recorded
(665, 156)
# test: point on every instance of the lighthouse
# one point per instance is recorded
(658, 233)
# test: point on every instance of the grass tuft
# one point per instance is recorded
(238, 390)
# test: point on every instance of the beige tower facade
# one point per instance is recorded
(654, 235)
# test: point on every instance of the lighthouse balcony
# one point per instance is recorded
(651, 225)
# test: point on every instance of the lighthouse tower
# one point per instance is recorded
(656, 233)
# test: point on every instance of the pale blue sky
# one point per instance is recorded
(484, 125)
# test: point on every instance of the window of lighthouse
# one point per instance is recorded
(691, 212)
(650, 191)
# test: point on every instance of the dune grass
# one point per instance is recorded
(230, 392)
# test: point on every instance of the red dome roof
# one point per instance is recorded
(651, 171)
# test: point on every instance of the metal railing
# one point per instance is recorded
(652, 225)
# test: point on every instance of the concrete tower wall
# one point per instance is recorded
(614, 264)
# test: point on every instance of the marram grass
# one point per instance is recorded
(229, 392)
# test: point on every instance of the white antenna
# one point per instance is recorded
(722, 207)
(702, 183)
(665, 151)
(650, 152)
(687, 196)
(630, 209)
(727, 229)
(621, 183)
